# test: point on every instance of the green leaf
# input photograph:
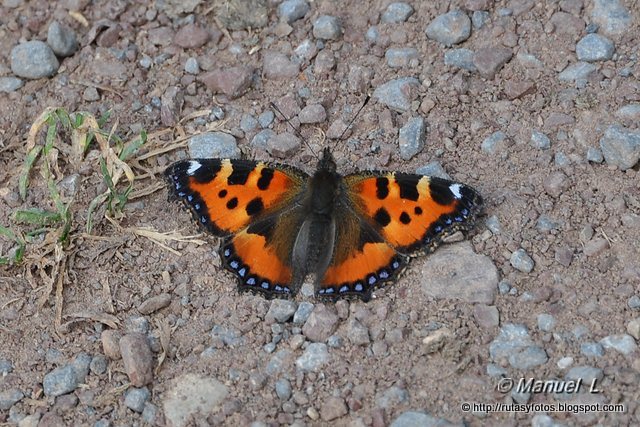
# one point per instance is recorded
(132, 147)
(29, 160)
(36, 216)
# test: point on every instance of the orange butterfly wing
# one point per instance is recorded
(250, 205)
(399, 215)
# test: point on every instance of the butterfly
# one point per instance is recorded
(353, 233)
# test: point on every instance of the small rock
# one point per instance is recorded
(528, 358)
(81, 365)
(149, 414)
(191, 36)
(337, 129)
(306, 50)
(283, 145)
(10, 397)
(555, 183)
(281, 310)
(630, 112)
(283, 389)
(493, 224)
(335, 341)
(189, 395)
(546, 322)
(325, 62)
(266, 118)
(213, 145)
(261, 140)
(111, 343)
(398, 94)
(277, 66)
(595, 246)
(135, 398)
(592, 349)
(585, 373)
(192, 66)
(540, 140)
(33, 60)
(576, 72)
(313, 358)
(518, 89)
(400, 57)
(60, 381)
(154, 304)
(461, 58)
(564, 255)
(565, 362)
(412, 137)
(292, 10)
(90, 94)
(437, 340)
(373, 35)
(490, 60)
(413, 418)
(433, 169)
(10, 84)
(487, 316)
(314, 113)
(396, 13)
(623, 343)
(497, 141)
(594, 47)
(357, 333)
(226, 336)
(62, 40)
(161, 36)
(332, 408)
(620, 146)
(633, 328)
(521, 261)
(612, 17)
(496, 371)
(479, 18)
(322, 322)
(98, 365)
(327, 27)
(450, 28)
(232, 81)
(303, 312)
(6, 367)
(137, 359)
(511, 338)
(594, 155)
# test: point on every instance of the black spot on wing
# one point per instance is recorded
(266, 175)
(382, 217)
(232, 203)
(408, 184)
(255, 206)
(239, 175)
(405, 218)
(382, 187)
(440, 191)
(222, 194)
(417, 210)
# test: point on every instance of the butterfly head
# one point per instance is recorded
(327, 162)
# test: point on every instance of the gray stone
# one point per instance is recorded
(357, 333)
(150, 413)
(10, 397)
(490, 60)
(629, 112)
(228, 336)
(33, 60)
(306, 50)
(154, 303)
(262, 138)
(497, 141)
(81, 365)
(269, 347)
(576, 72)
(585, 373)
(322, 322)
(634, 302)
(511, 338)
(135, 398)
(461, 58)
(61, 39)
(248, 123)
(213, 145)
(98, 365)
(283, 145)
(479, 18)
(192, 66)
(412, 137)
(373, 34)
(594, 47)
(283, 389)
(528, 358)
(620, 146)
(595, 155)
(633, 328)
(60, 381)
(327, 27)
(335, 341)
(540, 140)
(392, 397)
(521, 261)
(400, 57)
(414, 418)
(278, 362)
(303, 312)
(493, 224)
(622, 343)
(137, 324)
(190, 395)
(6, 367)
(612, 17)
(450, 28)
(542, 420)
(396, 13)
(487, 316)
(496, 371)
(10, 84)
(277, 66)
(398, 94)
(455, 271)
(292, 10)
(433, 168)
(544, 224)
(314, 113)
(565, 362)
(546, 322)
(281, 310)
(332, 408)
(266, 118)
(313, 358)
(232, 81)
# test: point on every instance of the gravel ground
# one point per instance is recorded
(535, 104)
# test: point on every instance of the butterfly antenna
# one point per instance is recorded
(355, 116)
(296, 131)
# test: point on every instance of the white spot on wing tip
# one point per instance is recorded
(193, 167)
(455, 189)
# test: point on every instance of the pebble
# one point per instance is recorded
(517, 89)
(292, 10)
(137, 359)
(456, 271)
(546, 322)
(149, 413)
(577, 72)
(633, 328)
(314, 113)
(232, 81)
(321, 324)
(528, 358)
(283, 389)
(564, 255)
(412, 138)
(622, 343)
(281, 310)
(81, 364)
(595, 155)
(98, 365)
(191, 36)
(594, 47)
(314, 357)
(496, 371)
(565, 362)
(450, 28)
(585, 373)
(612, 17)
(325, 62)
(60, 381)
(634, 302)
(414, 418)
(620, 146)
(191, 65)
(335, 341)
(629, 112)
(262, 139)
(433, 168)
(10, 84)
(333, 408)
(489, 60)
(248, 123)
(6, 367)
(521, 261)
(595, 246)
(479, 18)
(327, 27)
(400, 57)
(493, 224)
(555, 183)
(111, 343)
(91, 94)
(373, 34)
(357, 333)
(266, 118)
(396, 13)
(62, 40)
(592, 349)
(277, 66)
(487, 316)
(398, 94)
(10, 397)
(511, 338)
(283, 145)
(540, 140)
(497, 141)
(154, 304)
(303, 312)
(226, 336)
(544, 224)
(33, 60)
(135, 398)
(461, 58)
(190, 395)
(213, 145)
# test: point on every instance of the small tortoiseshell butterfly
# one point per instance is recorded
(352, 232)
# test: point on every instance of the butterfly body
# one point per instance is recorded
(352, 233)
